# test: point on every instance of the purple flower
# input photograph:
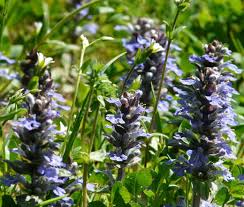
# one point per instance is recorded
(4, 73)
(90, 28)
(4, 59)
(126, 129)
(46, 170)
(205, 101)
(145, 32)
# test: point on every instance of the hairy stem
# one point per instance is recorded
(160, 87)
(121, 173)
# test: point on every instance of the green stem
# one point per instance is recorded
(84, 189)
(160, 87)
(85, 169)
(75, 130)
(83, 126)
(52, 200)
(76, 87)
(188, 184)
(64, 20)
(126, 79)
(3, 17)
(94, 128)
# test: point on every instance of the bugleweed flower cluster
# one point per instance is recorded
(47, 174)
(145, 33)
(205, 101)
(126, 130)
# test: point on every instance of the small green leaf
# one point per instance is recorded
(177, 31)
(111, 62)
(149, 193)
(34, 83)
(222, 196)
(79, 156)
(144, 177)
(125, 194)
(11, 115)
(142, 55)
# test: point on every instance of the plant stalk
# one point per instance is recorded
(84, 184)
(121, 173)
(94, 129)
(160, 87)
(126, 79)
(76, 86)
(85, 168)
(196, 200)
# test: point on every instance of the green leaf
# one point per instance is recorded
(111, 62)
(34, 83)
(116, 197)
(144, 178)
(125, 194)
(222, 196)
(79, 156)
(184, 125)
(142, 55)
(8, 201)
(11, 115)
(149, 193)
(178, 30)
(75, 130)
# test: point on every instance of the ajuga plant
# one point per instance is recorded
(146, 32)
(126, 130)
(205, 101)
(40, 171)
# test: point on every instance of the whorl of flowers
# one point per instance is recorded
(47, 174)
(205, 101)
(144, 34)
(126, 129)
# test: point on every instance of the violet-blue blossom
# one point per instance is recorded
(4, 72)
(48, 174)
(205, 101)
(126, 129)
(145, 32)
